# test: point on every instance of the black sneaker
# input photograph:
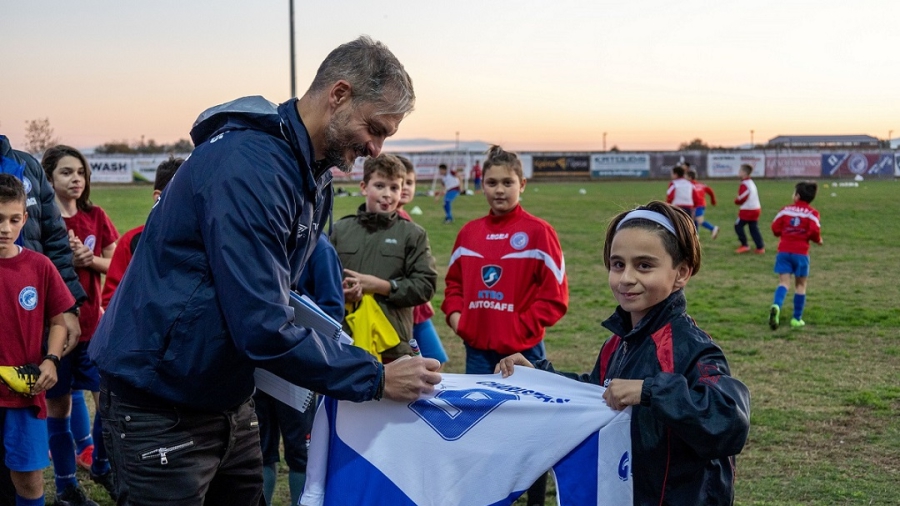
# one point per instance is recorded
(73, 495)
(106, 481)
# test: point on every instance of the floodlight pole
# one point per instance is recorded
(751, 139)
(890, 132)
(293, 71)
(604, 141)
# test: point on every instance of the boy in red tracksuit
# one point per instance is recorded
(700, 192)
(748, 214)
(796, 225)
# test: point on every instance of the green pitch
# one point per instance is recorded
(825, 399)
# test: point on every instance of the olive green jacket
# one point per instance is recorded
(395, 250)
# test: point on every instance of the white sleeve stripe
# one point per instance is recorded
(558, 272)
(799, 214)
(463, 252)
(744, 195)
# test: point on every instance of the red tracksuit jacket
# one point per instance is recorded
(797, 225)
(507, 278)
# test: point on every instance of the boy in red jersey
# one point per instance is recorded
(700, 193)
(31, 290)
(796, 225)
(748, 214)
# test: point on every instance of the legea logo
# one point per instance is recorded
(452, 413)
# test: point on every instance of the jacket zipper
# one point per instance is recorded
(163, 452)
(621, 360)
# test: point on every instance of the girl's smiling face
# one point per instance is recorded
(641, 274)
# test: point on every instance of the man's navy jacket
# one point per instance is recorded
(205, 299)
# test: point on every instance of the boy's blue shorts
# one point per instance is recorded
(699, 211)
(792, 263)
(75, 372)
(429, 341)
(25, 439)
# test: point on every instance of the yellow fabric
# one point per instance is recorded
(371, 329)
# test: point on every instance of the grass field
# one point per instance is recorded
(825, 399)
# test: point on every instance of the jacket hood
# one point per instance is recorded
(5, 148)
(254, 112)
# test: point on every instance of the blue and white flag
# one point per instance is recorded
(478, 440)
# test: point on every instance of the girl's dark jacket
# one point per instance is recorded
(693, 417)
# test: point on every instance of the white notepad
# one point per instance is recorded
(308, 315)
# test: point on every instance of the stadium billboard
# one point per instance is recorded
(661, 163)
(561, 166)
(853, 164)
(111, 170)
(620, 165)
(793, 165)
(897, 164)
(728, 164)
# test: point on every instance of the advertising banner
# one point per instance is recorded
(620, 165)
(897, 164)
(111, 170)
(852, 164)
(561, 166)
(728, 164)
(661, 163)
(793, 165)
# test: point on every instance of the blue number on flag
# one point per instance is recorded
(452, 413)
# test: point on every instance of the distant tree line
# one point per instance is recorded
(39, 137)
(149, 147)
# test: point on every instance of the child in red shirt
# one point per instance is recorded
(92, 237)
(796, 225)
(31, 291)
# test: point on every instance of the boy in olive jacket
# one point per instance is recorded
(383, 255)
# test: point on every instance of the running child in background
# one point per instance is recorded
(476, 175)
(680, 192)
(506, 282)
(31, 292)
(92, 237)
(796, 225)
(423, 329)
(699, 194)
(689, 416)
(748, 213)
(450, 182)
(384, 257)
(127, 244)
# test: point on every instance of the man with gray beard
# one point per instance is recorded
(205, 300)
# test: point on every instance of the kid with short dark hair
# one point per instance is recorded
(680, 192)
(31, 291)
(748, 213)
(797, 225)
(384, 256)
(689, 416)
(127, 244)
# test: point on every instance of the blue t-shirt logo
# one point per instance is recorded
(28, 298)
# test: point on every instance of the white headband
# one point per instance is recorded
(646, 214)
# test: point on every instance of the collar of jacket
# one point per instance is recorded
(505, 219)
(620, 322)
(374, 221)
(295, 133)
(5, 148)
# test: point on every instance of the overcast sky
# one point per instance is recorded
(530, 75)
